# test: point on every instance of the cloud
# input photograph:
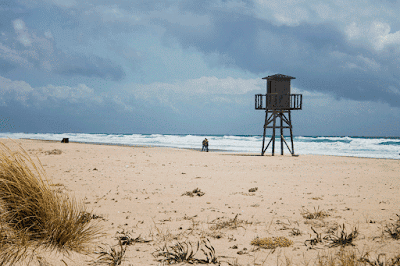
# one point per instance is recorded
(340, 117)
(316, 50)
(22, 32)
(198, 87)
(12, 59)
(64, 3)
(29, 50)
(189, 62)
(14, 90)
(23, 93)
(88, 66)
(376, 35)
(207, 104)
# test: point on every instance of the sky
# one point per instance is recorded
(193, 67)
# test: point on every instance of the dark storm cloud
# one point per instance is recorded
(318, 54)
(90, 66)
(185, 66)
(10, 10)
(26, 45)
(6, 66)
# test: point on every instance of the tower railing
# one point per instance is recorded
(272, 101)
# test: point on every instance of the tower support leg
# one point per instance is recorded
(281, 126)
(285, 122)
(273, 132)
(265, 130)
(291, 132)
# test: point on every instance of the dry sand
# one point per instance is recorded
(140, 190)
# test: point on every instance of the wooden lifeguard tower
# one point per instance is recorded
(277, 103)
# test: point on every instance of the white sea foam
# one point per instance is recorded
(337, 146)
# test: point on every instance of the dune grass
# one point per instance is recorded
(33, 216)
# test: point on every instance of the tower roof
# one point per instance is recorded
(279, 76)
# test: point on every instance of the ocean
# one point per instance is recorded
(368, 147)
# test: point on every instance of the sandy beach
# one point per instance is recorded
(145, 191)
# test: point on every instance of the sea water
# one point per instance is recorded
(370, 147)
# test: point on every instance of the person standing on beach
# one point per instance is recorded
(205, 145)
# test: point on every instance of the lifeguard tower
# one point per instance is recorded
(277, 103)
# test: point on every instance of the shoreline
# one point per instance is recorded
(210, 150)
(337, 146)
(130, 145)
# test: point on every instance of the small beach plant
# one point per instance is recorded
(342, 238)
(186, 251)
(316, 214)
(393, 229)
(111, 256)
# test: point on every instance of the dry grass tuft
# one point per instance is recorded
(316, 214)
(342, 238)
(342, 258)
(350, 257)
(33, 216)
(221, 223)
(393, 229)
(272, 242)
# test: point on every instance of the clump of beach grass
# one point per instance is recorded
(33, 216)
(393, 229)
(186, 252)
(272, 242)
(342, 238)
(351, 257)
(316, 214)
(111, 256)
(341, 258)
(222, 223)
